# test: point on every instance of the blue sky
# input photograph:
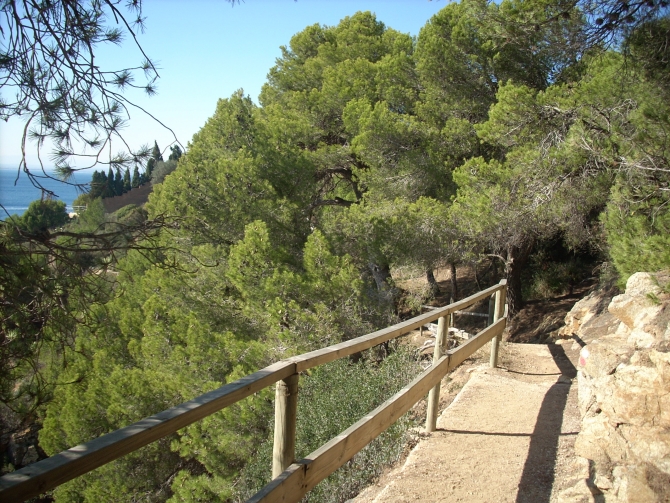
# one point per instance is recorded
(206, 50)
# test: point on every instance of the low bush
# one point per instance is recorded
(331, 399)
(554, 270)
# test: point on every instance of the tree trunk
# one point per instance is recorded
(494, 270)
(432, 282)
(479, 286)
(517, 257)
(454, 282)
(381, 275)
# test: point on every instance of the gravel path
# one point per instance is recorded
(507, 437)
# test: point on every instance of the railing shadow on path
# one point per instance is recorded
(538, 473)
(497, 433)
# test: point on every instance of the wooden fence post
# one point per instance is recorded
(286, 407)
(501, 300)
(498, 312)
(492, 308)
(434, 394)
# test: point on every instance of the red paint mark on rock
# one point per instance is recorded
(583, 356)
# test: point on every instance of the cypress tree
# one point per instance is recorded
(156, 153)
(176, 153)
(109, 186)
(151, 163)
(136, 178)
(118, 183)
(97, 184)
(126, 181)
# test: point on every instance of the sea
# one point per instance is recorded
(17, 193)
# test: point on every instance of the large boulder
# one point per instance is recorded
(624, 393)
(589, 318)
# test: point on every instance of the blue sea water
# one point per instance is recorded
(16, 195)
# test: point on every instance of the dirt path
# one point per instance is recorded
(507, 437)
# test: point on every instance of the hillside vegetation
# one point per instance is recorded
(503, 136)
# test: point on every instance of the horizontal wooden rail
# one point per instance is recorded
(305, 474)
(49, 473)
(337, 351)
(44, 475)
(468, 313)
(464, 313)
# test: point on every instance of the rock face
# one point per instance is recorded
(624, 390)
(19, 449)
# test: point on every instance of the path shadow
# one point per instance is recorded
(532, 374)
(497, 434)
(538, 471)
(579, 340)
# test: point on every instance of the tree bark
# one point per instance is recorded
(454, 282)
(432, 282)
(494, 270)
(517, 258)
(479, 286)
(381, 275)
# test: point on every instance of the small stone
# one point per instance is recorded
(31, 456)
(603, 483)
(581, 492)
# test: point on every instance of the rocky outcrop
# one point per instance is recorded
(589, 318)
(20, 448)
(624, 390)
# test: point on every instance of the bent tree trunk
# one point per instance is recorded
(517, 258)
(454, 282)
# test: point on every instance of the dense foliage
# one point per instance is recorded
(321, 417)
(502, 133)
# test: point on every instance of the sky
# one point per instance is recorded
(207, 49)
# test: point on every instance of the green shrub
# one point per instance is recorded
(551, 276)
(331, 399)
(553, 279)
(638, 234)
(161, 170)
(410, 301)
(43, 215)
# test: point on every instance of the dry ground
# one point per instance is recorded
(508, 435)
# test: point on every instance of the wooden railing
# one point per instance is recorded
(291, 479)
